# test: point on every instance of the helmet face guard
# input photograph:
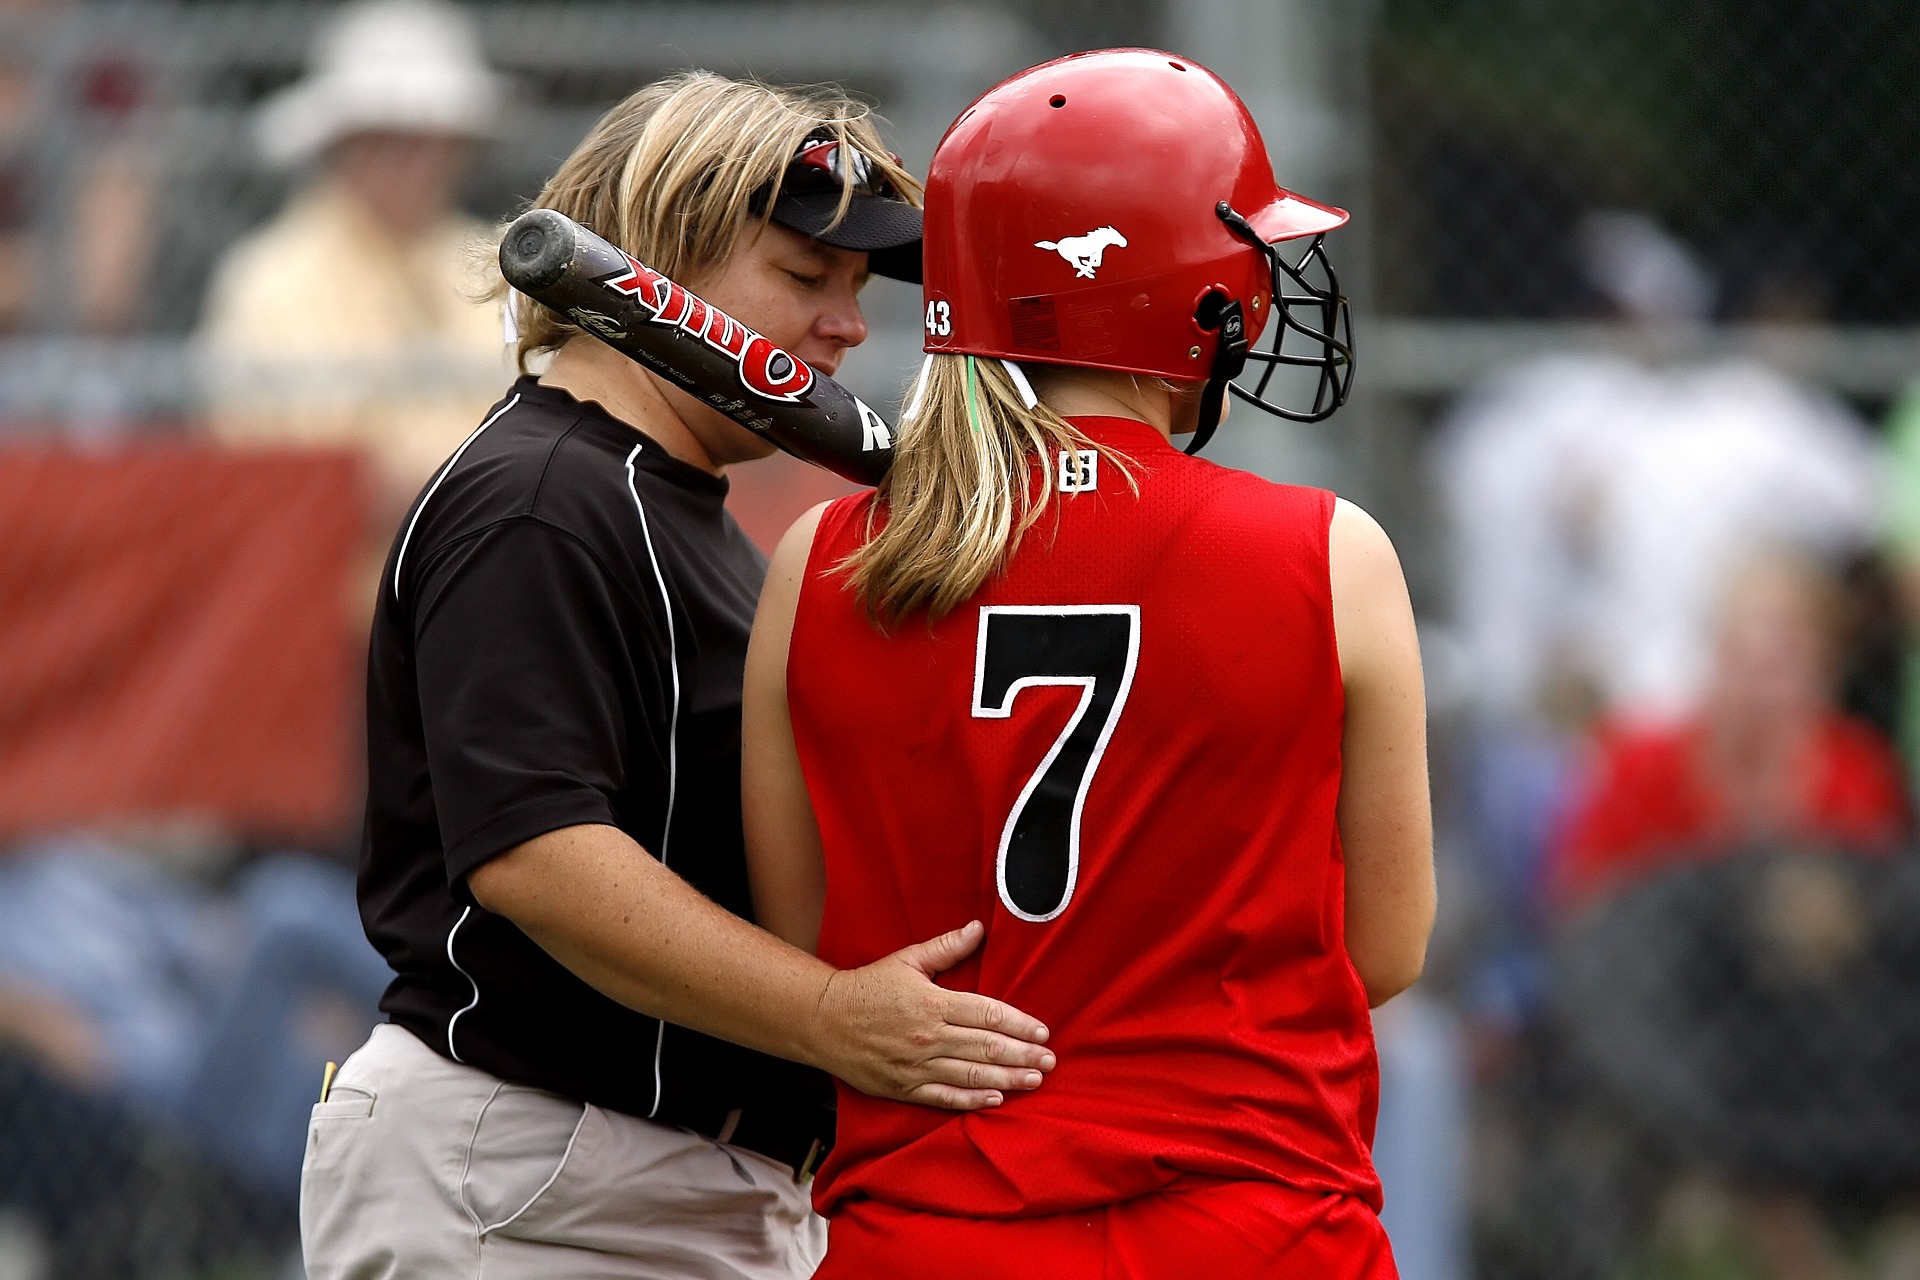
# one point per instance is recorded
(1315, 309)
(1309, 306)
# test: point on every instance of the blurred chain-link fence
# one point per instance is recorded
(1775, 137)
(142, 114)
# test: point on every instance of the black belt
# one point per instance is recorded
(796, 1137)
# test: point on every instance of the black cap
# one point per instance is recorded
(878, 222)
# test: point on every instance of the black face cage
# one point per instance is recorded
(1307, 302)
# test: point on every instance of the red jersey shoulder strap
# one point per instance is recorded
(841, 529)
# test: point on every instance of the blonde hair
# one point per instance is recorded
(973, 471)
(668, 175)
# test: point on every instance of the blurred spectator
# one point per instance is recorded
(1528, 468)
(1767, 758)
(70, 159)
(354, 317)
(1597, 503)
(208, 1013)
(1600, 504)
(1725, 979)
(1741, 457)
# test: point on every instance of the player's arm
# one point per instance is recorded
(785, 865)
(1385, 817)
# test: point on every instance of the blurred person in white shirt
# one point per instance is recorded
(1741, 456)
(1599, 502)
(353, 318)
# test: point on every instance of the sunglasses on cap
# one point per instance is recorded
(820, 165)
(878, 220)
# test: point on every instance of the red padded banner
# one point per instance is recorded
(177, 639)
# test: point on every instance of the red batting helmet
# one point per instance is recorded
(1117, 210)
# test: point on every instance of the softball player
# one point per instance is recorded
(1159, 723)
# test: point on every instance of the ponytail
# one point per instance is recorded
(964, 487)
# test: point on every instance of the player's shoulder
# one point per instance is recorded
(1353, 525)
(1232, 498)
(520, 441)
(859, 512)
(839, 526)
(1361, 554)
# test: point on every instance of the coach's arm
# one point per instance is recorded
(609, 911)
(1385, 817)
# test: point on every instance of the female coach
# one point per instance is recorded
(581, 1074)
(1159, 723)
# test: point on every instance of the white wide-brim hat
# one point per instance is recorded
(411, 66)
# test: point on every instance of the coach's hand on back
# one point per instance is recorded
(887, 1029)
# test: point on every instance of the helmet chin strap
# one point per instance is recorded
(1218, 311)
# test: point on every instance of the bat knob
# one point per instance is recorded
(537, 249)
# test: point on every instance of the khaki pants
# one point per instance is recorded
(419, 1168)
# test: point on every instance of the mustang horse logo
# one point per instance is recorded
(1083, 252)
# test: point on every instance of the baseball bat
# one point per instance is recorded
(694, 345)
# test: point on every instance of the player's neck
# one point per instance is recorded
(587, 369)
(1100, 393)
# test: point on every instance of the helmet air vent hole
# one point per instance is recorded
(1176, 66)
(1058, 100)
(1212, 308)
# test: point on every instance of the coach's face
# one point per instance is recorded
(801, 294)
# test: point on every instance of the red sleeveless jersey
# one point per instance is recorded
(1123, 755)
